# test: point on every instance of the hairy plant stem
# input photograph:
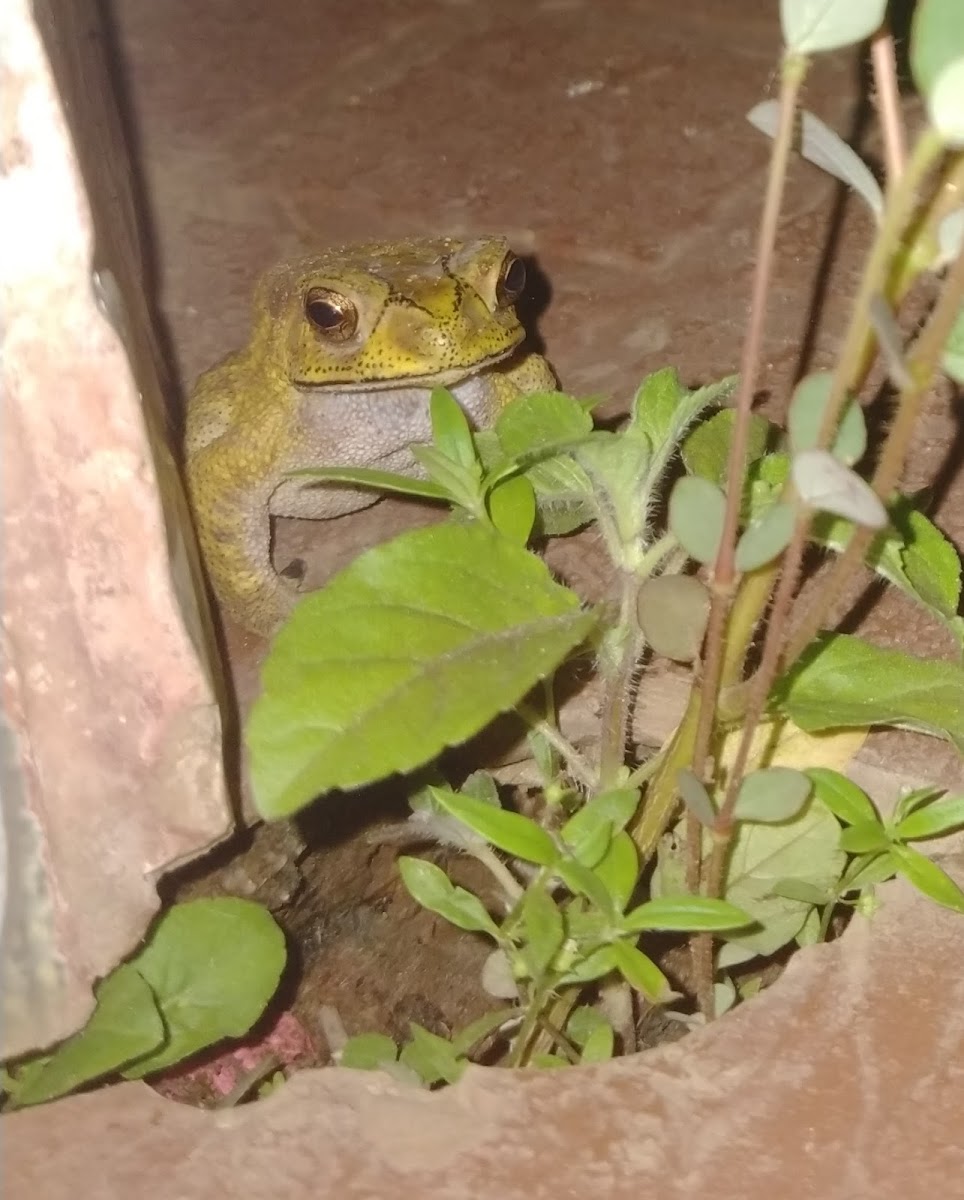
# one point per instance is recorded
(722, 588)
(576, 764)
(619, 686)
(662, 794)
(530, 1025)
(852, 368)
(723, 585)
(485, 855)
(557, 1016)
(655, 555)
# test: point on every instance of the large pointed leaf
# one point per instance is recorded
(845, 681)
(414, 647)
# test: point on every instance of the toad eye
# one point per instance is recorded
(331, 314)
(512, 281)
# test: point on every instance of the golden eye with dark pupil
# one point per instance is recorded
(512, 281)
(331, 314)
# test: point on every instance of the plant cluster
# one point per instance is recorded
(741, 831)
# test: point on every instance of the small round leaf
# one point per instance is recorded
(824, 483)
(696, 798)
(766, 538)
(771, 795)
(810, 26)
(672, 611)
(696, 511)
(805, 418)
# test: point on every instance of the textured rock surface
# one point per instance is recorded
(112, 758)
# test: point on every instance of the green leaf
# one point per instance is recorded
(481, 786)
(937, 63)
(724, 996)
(512, 508)
(599, 1046)
(845, 800)
(931, 564)
(865, 837)
(451, 432)
(545, 930)
(772, 794)
(928, 877)
(537, 431)
(663, 410)
(589, 831)
(368, 1052)
(766, 538)
(581, 881)
(819, 144)
(618, 466)
(618, 870)
(595, 965)
(672, 611)
(696, 514)
(706, 451)
(913, 799)
(381, 481)
(466, 1040)
(509, 831)
(866, 870)
(931, 820)
(806, 417)
(431, 1057)
(414, 647)
(548, 1062)
(583, 1023)
(432, 888)
(806, 848)
(212, 965)
(540, 419)
(640, 972)
(125, 1025)
(592, 844)
(545, 756)
(913, 555)
(463, 485)
(799, 889)
(685, 914)
(696, 797)
(845, 681)
(810, 26)
(826, 485)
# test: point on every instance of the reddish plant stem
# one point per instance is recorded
(723, 583)
(887, 100)
(724, 573)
